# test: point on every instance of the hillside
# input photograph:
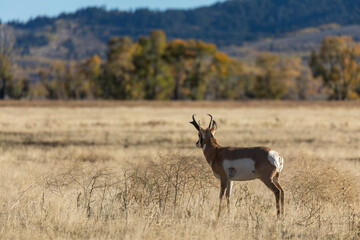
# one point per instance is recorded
(298, 43)
(85, 32)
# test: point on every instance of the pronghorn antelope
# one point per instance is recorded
(240, 164)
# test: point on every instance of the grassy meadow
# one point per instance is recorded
(130, 170)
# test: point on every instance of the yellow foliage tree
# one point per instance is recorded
(90, 72)
(338, 64)
(271, 81)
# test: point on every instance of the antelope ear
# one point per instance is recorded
(213, 128)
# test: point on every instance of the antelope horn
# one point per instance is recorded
(211, 121)
(195, 123)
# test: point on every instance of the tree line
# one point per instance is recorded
(153, 68)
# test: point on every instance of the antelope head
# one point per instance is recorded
(204, 133)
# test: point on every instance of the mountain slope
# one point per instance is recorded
(85, 32)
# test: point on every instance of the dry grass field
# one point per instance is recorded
(116, 170)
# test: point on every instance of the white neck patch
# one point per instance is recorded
(204, 148)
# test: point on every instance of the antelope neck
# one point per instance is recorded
(210, 147)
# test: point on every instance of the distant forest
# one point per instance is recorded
(153, 68)
(230, 22)
(176, 54)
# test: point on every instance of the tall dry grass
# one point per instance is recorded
(134, 173)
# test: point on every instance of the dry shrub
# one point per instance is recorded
(90, 184)
(172, 180)
(313, 178)
(322, 194)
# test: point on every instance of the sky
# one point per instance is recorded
(23, 10)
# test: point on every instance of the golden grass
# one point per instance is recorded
(116, 170)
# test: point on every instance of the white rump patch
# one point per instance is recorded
(276, 160)
(240, 169)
